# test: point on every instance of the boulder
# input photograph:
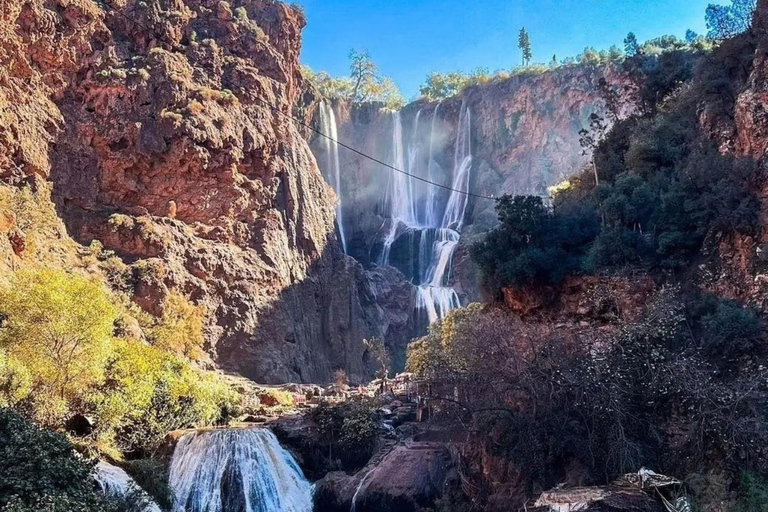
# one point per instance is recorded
(408, 478)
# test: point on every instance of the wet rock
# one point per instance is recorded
(407, 478)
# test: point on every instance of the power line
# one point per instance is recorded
(177, 47)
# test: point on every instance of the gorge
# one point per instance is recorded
(264, 297)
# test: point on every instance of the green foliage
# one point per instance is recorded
(58, 326)
(349, 431)
(180, 330)
(524, 44)
(664, 186)
(58, 356)
(726, 21)
(148, 392)
(378, 356)
(534, 243)
(151, 476)
(631, 46)
(363, 85)
(41, 471)
(753, 493)
(439, 86)
(611, 402)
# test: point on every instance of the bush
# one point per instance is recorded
(151, 476)
(58, 356)
(58, 326)
(349, 431)
(41, 471)
(180, 330)
(534, 243)
(753, 493)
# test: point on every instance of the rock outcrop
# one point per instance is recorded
(408, 477)
(161, 130)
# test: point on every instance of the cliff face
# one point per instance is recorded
(166, 140)
(524, 135)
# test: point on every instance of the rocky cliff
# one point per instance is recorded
(524, 139)
(160, 130)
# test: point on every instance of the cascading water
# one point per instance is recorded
(116, 483)
(421, 213)
(332, 169)
(237, 470)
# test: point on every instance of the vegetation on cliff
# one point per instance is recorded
(664, 185)
(59, 355)
(680, 388)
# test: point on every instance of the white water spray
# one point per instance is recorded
(332, 167)
(428, 215)
(239, 469)
(115, 482)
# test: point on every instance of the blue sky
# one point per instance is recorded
(410, 38)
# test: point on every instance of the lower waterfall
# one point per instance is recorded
(115, 482)
(236, 470)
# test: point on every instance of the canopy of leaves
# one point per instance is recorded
(58, 356)
(610, 401)
(726, 21)
(363, 85)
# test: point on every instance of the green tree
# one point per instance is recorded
(726, 21)
(180, 330)
(364, 75)
(589, 139)
(59, 327)
(41, 472)
(378, 355)
(631, 46)
(524, 43)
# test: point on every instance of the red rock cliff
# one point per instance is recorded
(160, 128)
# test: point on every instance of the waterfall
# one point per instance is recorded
(462, 164)
(424, 213)
(332, 169)
(242, 470)
(116, 483)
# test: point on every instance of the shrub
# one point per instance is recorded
(534, 243)
(180, 330)
(349, 431)
(58, 326)
(753, 493)
(151, 476)
(41, 471)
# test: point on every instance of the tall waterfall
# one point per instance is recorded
(237, 470)
(427, 217)
(331, 168)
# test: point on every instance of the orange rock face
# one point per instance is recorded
(161, 129)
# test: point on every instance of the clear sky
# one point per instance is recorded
(410, 38)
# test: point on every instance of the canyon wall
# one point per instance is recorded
(160, 130)
(524, 139)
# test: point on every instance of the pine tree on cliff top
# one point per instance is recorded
(524, 43)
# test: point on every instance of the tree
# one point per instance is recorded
(180, 330)
(631, 46)
(524, 43)
(691, 36)
(726, 21)
(41, 472)
(364, 75)
(553, 63)
(589, 139)
(379, 356)
(59, 327)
